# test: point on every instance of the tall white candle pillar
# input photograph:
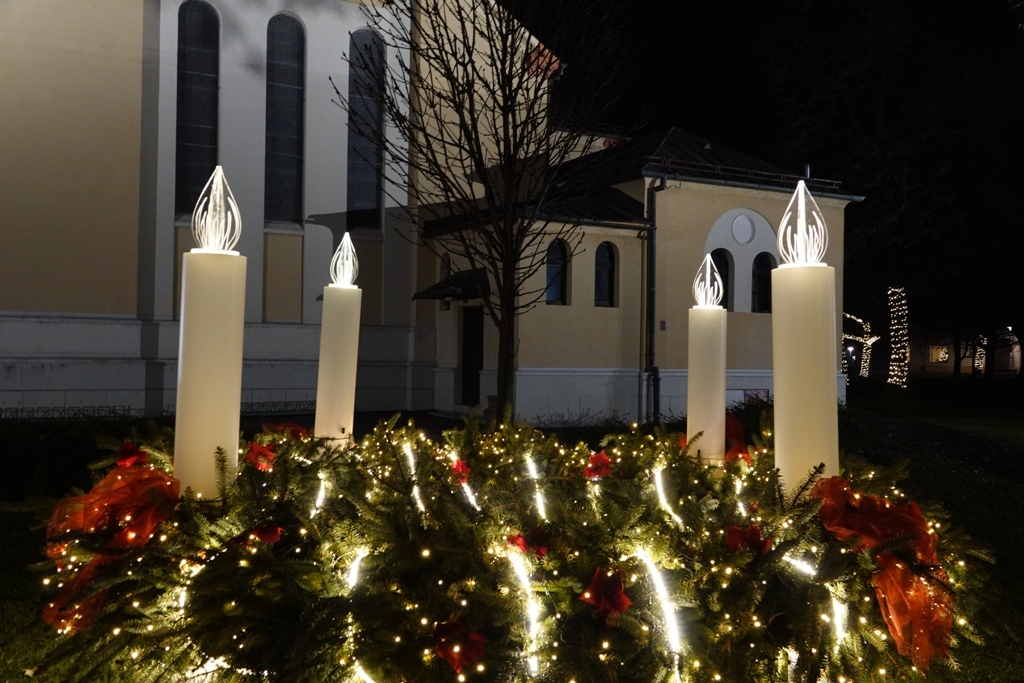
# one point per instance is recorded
(705, 373)
(339, 347)
(210, 349)
(804, 345)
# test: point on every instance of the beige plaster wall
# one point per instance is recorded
(282, 277)
(69, 168)
(581, 335)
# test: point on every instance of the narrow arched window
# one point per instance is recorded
(604, 275)
(286, 82)
(557, 269)
(365, 130)
(723, 262)
(761, 283)
(198, 76)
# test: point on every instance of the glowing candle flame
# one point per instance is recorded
(707, 286)
(216, 221)
(345, 265)
(805, 242)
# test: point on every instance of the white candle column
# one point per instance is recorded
(705, 373)
(210, 348)
(804, 345)
(339, 347)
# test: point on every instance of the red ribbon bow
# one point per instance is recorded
(912, 595)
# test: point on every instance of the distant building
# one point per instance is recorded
(114, 114)
(585, 350)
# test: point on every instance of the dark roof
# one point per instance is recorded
(605, 206)
(679, 155)
(460, 286)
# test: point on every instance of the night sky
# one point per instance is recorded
(915, 106)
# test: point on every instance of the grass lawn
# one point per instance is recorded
(964, 447)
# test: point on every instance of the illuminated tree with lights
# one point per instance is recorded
(899, 338)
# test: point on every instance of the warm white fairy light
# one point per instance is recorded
(320, 496)
(345, 264)
(707, 285)
(900, 339)
(216, 221)
(839, 616)
(805, 241)
(662, 499)
(532, 610)
(802, 566)
(361, 673)
(667, 609)
(470, 496)
(979, 353)
(410, 456)
(353, 569)
(537, 496)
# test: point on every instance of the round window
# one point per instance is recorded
(743, 229)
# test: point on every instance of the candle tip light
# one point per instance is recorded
(707, 286)
(803, 236)
(345, 265)
(216, 220)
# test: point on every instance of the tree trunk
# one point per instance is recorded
(506, 356)
(957, 357)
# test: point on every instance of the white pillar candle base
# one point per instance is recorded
(705, 382)
(804, 354)
(209, 368)
(339, 354)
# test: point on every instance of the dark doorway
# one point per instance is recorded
(472, 356)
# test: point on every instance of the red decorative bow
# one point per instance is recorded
(912, 595)
(130, 503)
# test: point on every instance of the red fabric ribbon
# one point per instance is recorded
(606, 594)
(131, 502)
(913, 599)
(600, 465)
(457, 645)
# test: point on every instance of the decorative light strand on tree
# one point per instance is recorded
(532, 610)
(538, 496)
(899, 336)
(866, 339)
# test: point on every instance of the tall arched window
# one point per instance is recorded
(604, 275)
(761, 283)
(723, 261)
(365, 130)
(557, 274)
(198, 75)
(286, 82)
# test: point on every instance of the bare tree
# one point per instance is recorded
(471, 133)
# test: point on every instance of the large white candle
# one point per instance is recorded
(210, 349)
(705, 373)
(804, 345)
(339, 347)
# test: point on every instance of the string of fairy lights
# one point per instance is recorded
(899, 334)
(866, 339)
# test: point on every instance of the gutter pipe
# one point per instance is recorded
(653, 374)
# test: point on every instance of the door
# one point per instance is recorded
(471, 359)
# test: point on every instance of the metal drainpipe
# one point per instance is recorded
(652, 369)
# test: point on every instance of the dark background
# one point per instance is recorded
(914, 105)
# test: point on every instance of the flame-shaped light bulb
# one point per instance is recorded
(804, 242)
(216, 221)
(345, 265)
(707, 286)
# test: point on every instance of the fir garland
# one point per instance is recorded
(497, 555)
